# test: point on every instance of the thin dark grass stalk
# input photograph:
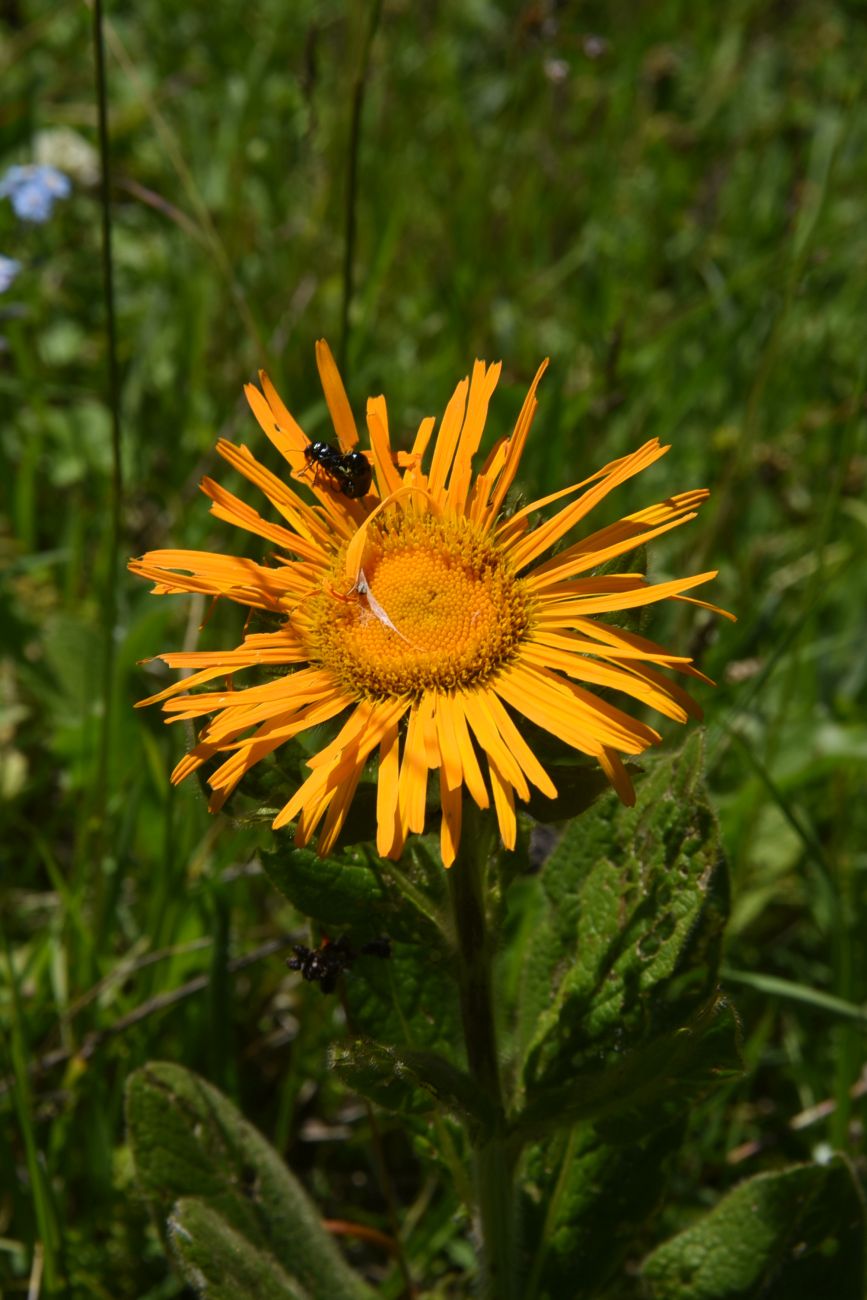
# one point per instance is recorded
(109, 594)
(359, 89)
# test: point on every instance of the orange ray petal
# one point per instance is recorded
(360, 735)
(305, 519)
(690, 706)
(706, 604)
(336, 814)
(412, 784)
(514, 452)
(227, 726)
(481, 721)
(451, 802)
(516, 525)
(388, 476)
(612, 766)
(282, 414)
(218, 665)
(619, 638)
(482, 385)
(422, 437)
(290, 440)
(605, 675)
(646, 594)
(304, 683)
(235, 511)
(578, 558)
(473, 779)
(353, 729)
(452, 771)
(335, 395)
(212, 574)
(630, 526)
(309, 817)
(270, 736)
(550, 702)
(544, 635)
(447, 440)
(543, 537)
(504, 803)
(386, 791)
(524, 755)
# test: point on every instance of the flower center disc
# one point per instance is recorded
(437, 609)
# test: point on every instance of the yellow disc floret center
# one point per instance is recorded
(435, 608)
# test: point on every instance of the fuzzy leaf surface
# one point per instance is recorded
(583, 1202)
(647, 1087)
(409, 1081)
(189, 1141)
(628, 954)
(353, 892)
(222, 1264)
(798, 1234)
(408, 1001)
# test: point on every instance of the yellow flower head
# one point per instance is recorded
(427, 619)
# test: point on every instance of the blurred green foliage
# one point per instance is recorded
(669, 200)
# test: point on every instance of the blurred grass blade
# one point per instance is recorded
(795, 992)
(46, 1221)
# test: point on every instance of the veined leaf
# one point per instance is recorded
(628, 956)
(356, 892)
(190, 1142)
(798, 1234)
(222, 1264)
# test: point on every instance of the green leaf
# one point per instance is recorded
(583, 1202)
(637, 903)
(794, 1235)
(647, 1087)
(408, 1001)
(410, 1081)
(190, 1141)
(358, 893)
(220, 1263)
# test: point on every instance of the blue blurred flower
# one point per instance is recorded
(32, 190)
(9, 269)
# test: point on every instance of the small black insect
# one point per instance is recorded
(350, 472)
(324, 965)
(357, 473)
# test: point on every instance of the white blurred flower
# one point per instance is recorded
(61, 147)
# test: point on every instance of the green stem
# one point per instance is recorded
(493, 1153)
(113, 512)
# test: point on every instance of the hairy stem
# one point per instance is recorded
(493, 1154)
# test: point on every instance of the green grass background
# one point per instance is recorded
(670, 200)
